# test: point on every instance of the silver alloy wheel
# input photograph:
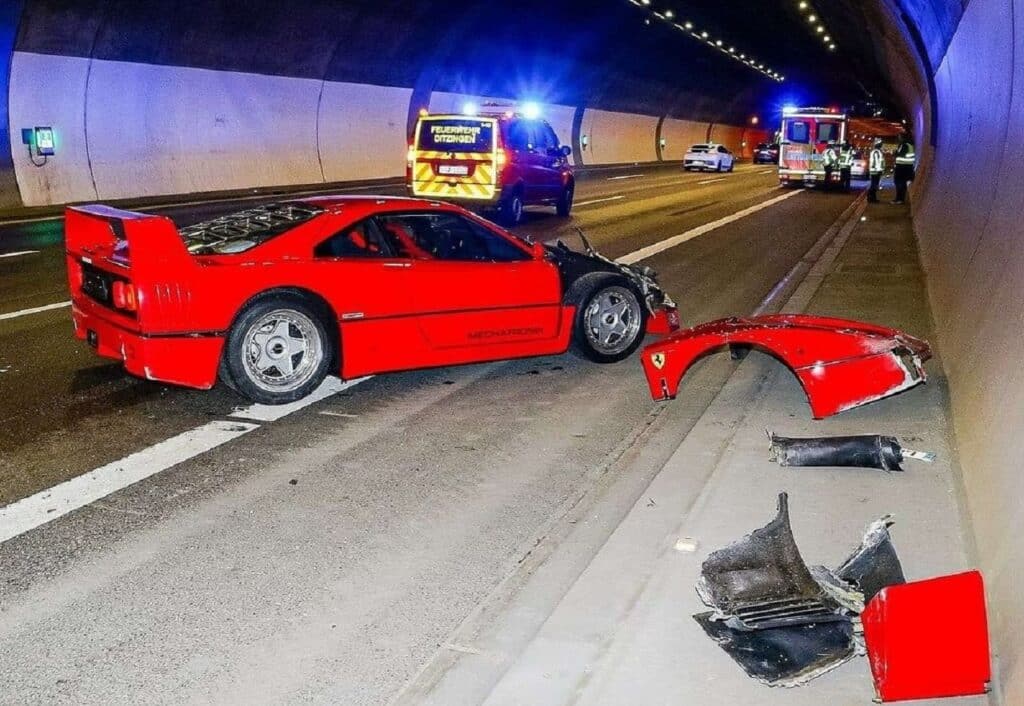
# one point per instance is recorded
(283, 351)
(613, 320)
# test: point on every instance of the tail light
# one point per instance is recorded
(123, 296)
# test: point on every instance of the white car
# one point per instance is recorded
(859, 170)
(713, 157)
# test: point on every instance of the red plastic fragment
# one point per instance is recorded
(929, 639)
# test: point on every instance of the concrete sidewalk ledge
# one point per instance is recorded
(624, 632)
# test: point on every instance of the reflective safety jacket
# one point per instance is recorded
(876, 164)
(905, 154)
(846, 158)
(829, 159)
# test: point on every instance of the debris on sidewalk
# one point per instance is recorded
(783, 622)
(840, 363)
(929, 639)
(865, 451)
(788, 656)
(762, 582)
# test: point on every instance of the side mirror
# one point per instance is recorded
(539, 251)
(566, 150)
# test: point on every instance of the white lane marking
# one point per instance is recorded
(593, 201)
(768, 171)
(675, 240)
(18, 253)
(626, 176)
(273, 412)
(712, 181)
(45, 506)
(33, 310)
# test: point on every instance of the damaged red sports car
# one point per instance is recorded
(272, 299)
(841, 364)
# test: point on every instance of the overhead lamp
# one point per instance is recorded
(832, 47)
(827, 38)
(820, 29)
(718, 42)
(646, 2)
(669, 14)
(704, 34)
(688, 25)
(803, 4)
(743, 56)
(812, 18)
(732, 50)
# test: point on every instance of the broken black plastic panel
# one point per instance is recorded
(868, 451)
(786, 656)
(874, 565)
(762, 581)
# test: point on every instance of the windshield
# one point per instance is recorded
(699, 148)
(238, 232)
(456, 135)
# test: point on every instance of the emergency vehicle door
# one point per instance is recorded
(554, 162)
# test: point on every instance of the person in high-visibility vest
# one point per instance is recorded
(904, 169)
(876, 167)
(845, 165)
(829, 160)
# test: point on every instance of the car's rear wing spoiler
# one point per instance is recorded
(128, 238)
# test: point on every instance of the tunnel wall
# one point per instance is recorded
(129, 129)
(968, 201)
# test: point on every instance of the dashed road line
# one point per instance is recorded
(43, 507)
(593, 201)
(34, 310)
(662, 245)
(273, 412)
(625, 176)
(19, 253)
(712, 181)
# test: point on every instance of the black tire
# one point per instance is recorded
(732, 164)
(295, 321)
(511, 211)
(588, 294)
(564, 206)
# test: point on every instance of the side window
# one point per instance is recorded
(798, 131)
(363, 239)
(552, 138)
(722, 150)
(519, 135)
(447, 236)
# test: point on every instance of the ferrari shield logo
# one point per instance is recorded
(659, 360)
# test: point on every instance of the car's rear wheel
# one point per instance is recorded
(511, 210)
(277, 351)
(731, 165)
(610, 319)
(564, 205)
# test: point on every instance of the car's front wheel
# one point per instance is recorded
(610, 318)
(277, 351)
(511, 211)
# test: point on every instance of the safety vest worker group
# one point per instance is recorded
(905, 154)
(846, 157)
(876, 163)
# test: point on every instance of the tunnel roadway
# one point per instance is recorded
(325, 555)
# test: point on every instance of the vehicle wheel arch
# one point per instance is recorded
(325, 313)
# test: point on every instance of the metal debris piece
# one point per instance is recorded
(866, 451)
(762, 582)
(788, 656)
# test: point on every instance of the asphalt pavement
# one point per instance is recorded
(326, 556)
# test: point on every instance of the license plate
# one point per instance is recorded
(453, 169)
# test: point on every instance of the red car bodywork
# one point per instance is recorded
(391, 313)
(929, 639)
(841, 364)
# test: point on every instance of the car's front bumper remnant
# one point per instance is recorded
(864, 451)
